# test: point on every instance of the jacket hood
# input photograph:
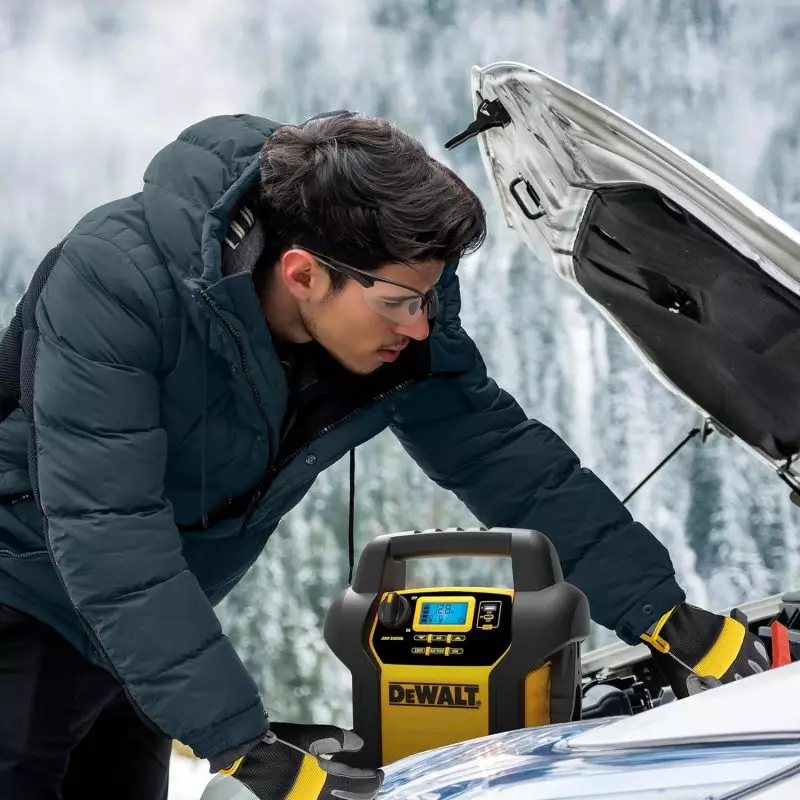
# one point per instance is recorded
(193, 186)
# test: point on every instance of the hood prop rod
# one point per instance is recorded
(706, 430)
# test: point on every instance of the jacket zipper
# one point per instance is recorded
(240, 347)
(270, 474)
(245, 370)
(22, 556)
(16, 499)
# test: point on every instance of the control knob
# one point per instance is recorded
(394, 610)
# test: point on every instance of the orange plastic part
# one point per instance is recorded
(781, 654)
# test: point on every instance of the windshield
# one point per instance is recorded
(529, 765)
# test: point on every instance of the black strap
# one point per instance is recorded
(12, 371)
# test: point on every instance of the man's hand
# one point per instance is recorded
(696, 649)
(290, 761)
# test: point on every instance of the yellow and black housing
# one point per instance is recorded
(437, 665)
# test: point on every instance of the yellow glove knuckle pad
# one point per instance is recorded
(309, 782)
(717, 661)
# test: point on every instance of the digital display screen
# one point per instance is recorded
(443, 613)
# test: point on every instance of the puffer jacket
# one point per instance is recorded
(152, 400)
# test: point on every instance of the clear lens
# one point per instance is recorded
(390, 300)
(395, 303)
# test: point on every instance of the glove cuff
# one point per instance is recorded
(652, 637)
(227, 759)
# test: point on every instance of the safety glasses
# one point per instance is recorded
(396, 301)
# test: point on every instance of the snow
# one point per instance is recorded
(188, 777)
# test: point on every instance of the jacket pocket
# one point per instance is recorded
(24, 560)
(21, 530)
(31, 574)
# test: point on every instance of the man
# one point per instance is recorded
(180, 370)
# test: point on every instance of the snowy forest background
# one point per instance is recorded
(89, 91)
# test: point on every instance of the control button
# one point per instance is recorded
(438, 638)
(488, 616)
(437, 651)
(456, 651)
(417, 651)
(458, 638)
(420, 638)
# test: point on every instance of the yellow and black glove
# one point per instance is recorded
(696, 649)
(294, 761)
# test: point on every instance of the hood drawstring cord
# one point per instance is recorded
(351, 521)
(204, 432)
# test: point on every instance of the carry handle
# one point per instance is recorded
(452, 542)
(534, 563)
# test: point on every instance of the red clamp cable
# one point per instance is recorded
(781, 654)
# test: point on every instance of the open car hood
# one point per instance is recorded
(701, 281)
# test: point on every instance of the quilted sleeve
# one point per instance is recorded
(97, 461)
(472, 437)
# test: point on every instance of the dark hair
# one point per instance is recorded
(361, 190)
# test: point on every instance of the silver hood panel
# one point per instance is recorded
(561, 147)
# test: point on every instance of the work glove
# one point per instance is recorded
(290, 761)
(697, 650)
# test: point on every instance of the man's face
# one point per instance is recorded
(347, 324)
